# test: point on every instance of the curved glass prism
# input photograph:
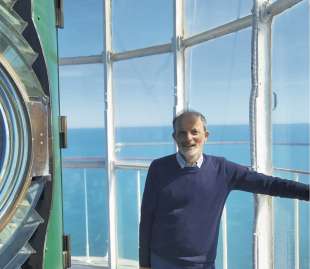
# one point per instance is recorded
(2, 140)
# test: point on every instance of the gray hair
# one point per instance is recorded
(189, 113)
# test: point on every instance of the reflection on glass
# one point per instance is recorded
(83, 30)
(138, 24)
(201, 15)
(129, 188)
(86, 211)
(219, 81)
(144, 106)
(291, 150)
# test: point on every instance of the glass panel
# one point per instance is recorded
(85, 205)
(290, 69)
(218, 79)
(284, 233)
(219, 82)
(82, 101)
(83, 30)
(240, 216)
(144, 107)
(138, 24)
(285, 244)
(201, 15)
(291, 125)
(129, 186)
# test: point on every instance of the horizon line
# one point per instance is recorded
(148, 126)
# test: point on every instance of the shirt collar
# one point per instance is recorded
(183, 163)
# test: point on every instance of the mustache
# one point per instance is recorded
(188, 144)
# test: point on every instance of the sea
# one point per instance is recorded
(85, 191)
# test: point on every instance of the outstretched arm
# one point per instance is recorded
(241, 178)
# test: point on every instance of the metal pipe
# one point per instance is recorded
(84, 162)
(252, 118)
(224, 238)
(139, 144)
(261, 133)
(255, 251)
(296, 230)
(154, 50)
(86, 212)
(179, 58)
(292, 171)
(138, 193)
(132, 164)
(254, 90)
(92, 59)
(222, 30)
(110, 138)
(279, 6)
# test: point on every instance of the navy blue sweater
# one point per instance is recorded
(181, 208)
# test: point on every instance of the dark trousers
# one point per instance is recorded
(158, 262)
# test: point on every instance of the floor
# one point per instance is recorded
(77, 266)
(100, 263)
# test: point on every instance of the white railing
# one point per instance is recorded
(295, 174)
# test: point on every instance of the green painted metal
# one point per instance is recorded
(45, 23)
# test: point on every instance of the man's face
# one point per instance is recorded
(190, 137)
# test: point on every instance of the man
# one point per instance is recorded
(184, 196)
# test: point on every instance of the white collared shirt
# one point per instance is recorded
(183, 162)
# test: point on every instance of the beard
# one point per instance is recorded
(191, 154)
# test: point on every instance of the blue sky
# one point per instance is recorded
(218, 74)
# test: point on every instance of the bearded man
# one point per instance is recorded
(184, 197)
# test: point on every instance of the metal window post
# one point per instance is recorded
(86, 213)
(296, 229)
(261, 133)
(224, 238)
(110, 139)
(138, 199)
(178, 52)
(138, 194)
